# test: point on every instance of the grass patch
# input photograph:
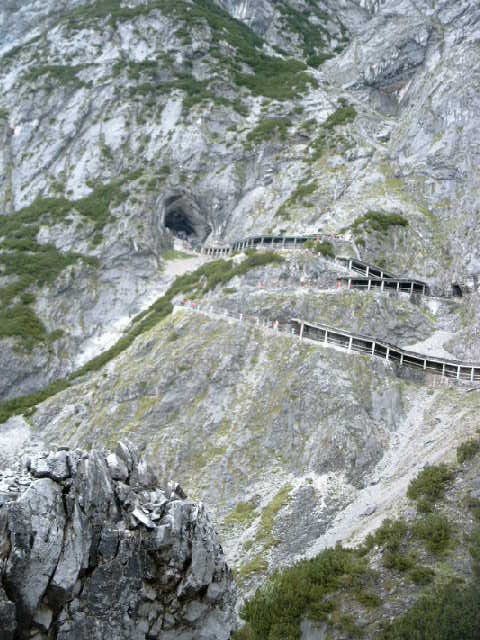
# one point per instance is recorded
(243, 514)
(429, 486)
(467, 450)
(257, 565)
(265, 529)
(175, 255)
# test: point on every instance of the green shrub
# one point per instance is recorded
(474, 550)
(435, 530)
(397, 561)
(467, 450)
(421, 575)
(391, 534)
(328, 136)
(367, 600)
(21, 321)
(473, 505)
(429, 486)
(344, 115)
(268, 129)
(279, 606)
(448, 613)
(325, 247)
(378, 221)
(62, 74)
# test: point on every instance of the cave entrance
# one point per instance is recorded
(185, 220)
(457, 290)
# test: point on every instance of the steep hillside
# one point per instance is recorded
(134, 134)
(119, 123)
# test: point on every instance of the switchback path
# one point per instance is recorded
(374, 277)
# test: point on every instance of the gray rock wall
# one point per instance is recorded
(91, 548)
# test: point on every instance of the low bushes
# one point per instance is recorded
(435, 531)
(448, 613)
(325, 248)
(269, 129)
(429, 486)
(277, 609)
(378, 221)
(467, 450)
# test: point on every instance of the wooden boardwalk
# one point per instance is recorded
(329, 336)
(264, 242)
(389, 352)
(374, 277)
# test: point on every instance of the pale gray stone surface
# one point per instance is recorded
(81, 555)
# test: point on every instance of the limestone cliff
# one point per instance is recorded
(90, 547)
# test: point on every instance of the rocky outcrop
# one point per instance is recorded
(90, 547)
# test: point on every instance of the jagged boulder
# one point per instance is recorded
(90, 547)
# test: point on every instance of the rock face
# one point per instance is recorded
(90, 547)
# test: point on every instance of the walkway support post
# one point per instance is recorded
(458, 372)
(302, 327)
(387, 355)
(373, 348)
(350, 344)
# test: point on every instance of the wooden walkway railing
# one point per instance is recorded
(374, 277)
(364, 344)
(351, 342)
(263, 241)
(386, 284)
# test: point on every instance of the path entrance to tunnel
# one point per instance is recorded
(184, 218)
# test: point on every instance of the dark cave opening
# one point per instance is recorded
(184, 219)
(457, 290)
(178, 222)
